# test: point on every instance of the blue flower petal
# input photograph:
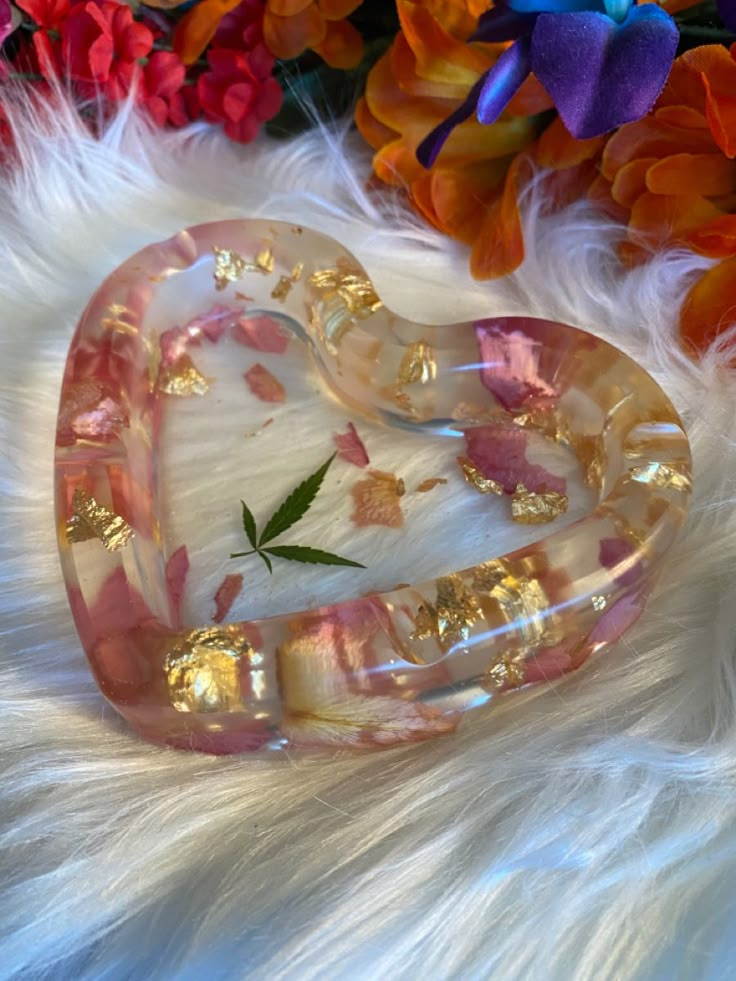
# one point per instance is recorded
(601, 74)
(428, 150)
(501, 23)
(554, 6)
(503, 80)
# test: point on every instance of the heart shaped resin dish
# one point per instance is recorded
(375, 664)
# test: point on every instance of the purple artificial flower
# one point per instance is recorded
(603, 63)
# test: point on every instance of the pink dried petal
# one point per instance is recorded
(616, 620)
(350, 447)
(499, 452)
(618, 555)
(377, 500)
(263, 384)
(262, 333)
(176, 574)
(173, 344)
(89, 411)
(228, 589)
(511, 367)
(213, 324)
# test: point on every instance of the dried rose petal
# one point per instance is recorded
(263, 384)
(213, 324)
(173, 344)
(499, 453)
(350, 447)
(616, 554)
(511, 369)
(89, 411)
(430, 483)
(262, 333)
(228, 589)
(176, 574)
(377, 500)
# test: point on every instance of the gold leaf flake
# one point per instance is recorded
(666, 476)
(507, 671)
(203, 670)
(183, 378)
(430, 484)
(488, 575)
(351, 285)
(417, 364)
(120, 319)
(229, 267)
(264, 260)
(91, 520)
(529, 508)
(243, 296)
(282, 289)
(599, 603)
(297, 230)
(454, 612)
(484, 485)
(296, 272)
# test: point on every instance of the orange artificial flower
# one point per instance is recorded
(671, 177)
(291, 26)
(470, 193)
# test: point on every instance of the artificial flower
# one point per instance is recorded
(602, 69)
(292, 26)
(102, 45)
(237, 93)
(470, 193)
(162, 92)
(45, 57)
(671, 177)
(199, 25)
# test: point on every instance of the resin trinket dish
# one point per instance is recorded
(391, 666)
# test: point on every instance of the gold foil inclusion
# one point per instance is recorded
(484, 485)
(454, 612)
(183, 378)
(282, 289)
(91, 520)
(349, 284)
(665, 476)
(507, 671)
(589, 449)
(417, 364)
(229, 267)
(116, 321)
(530, 508)
(430, 483)
(264, 261)
(203, 670)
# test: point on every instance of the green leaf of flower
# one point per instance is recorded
(249, 524)
(314, 556)
(267, 561)
(295, 506)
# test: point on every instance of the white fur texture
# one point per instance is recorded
(586, 832)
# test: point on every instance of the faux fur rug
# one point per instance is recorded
(586, 831)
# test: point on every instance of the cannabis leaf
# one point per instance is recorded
(284, 517)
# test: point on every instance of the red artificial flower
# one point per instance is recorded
(162, 92)
(102, 44)
(236, 93)
(45, 56)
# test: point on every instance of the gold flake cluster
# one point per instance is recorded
(91, 520)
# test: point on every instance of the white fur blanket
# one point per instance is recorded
(586, 832)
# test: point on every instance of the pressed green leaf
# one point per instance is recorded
(249, 524)
(267, 561)
(242, 555)
(314, 556)
(295, 506)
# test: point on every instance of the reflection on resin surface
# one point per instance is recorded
(395, 666)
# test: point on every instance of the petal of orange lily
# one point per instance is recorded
(198, 26)
(456, 200)
(440, 56)
(712, 174)
(530, 99)
(683, 116)
(337, 9)
(631, 181)
(342, 46)
(557, 149)
(374, 133)
(710, 306)
(499, 247)
(651, 137)
(286, 8)
(287, 37)
(716, 238)
(599, 194)
(404, 66)
(660, 219)
(720, 111)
